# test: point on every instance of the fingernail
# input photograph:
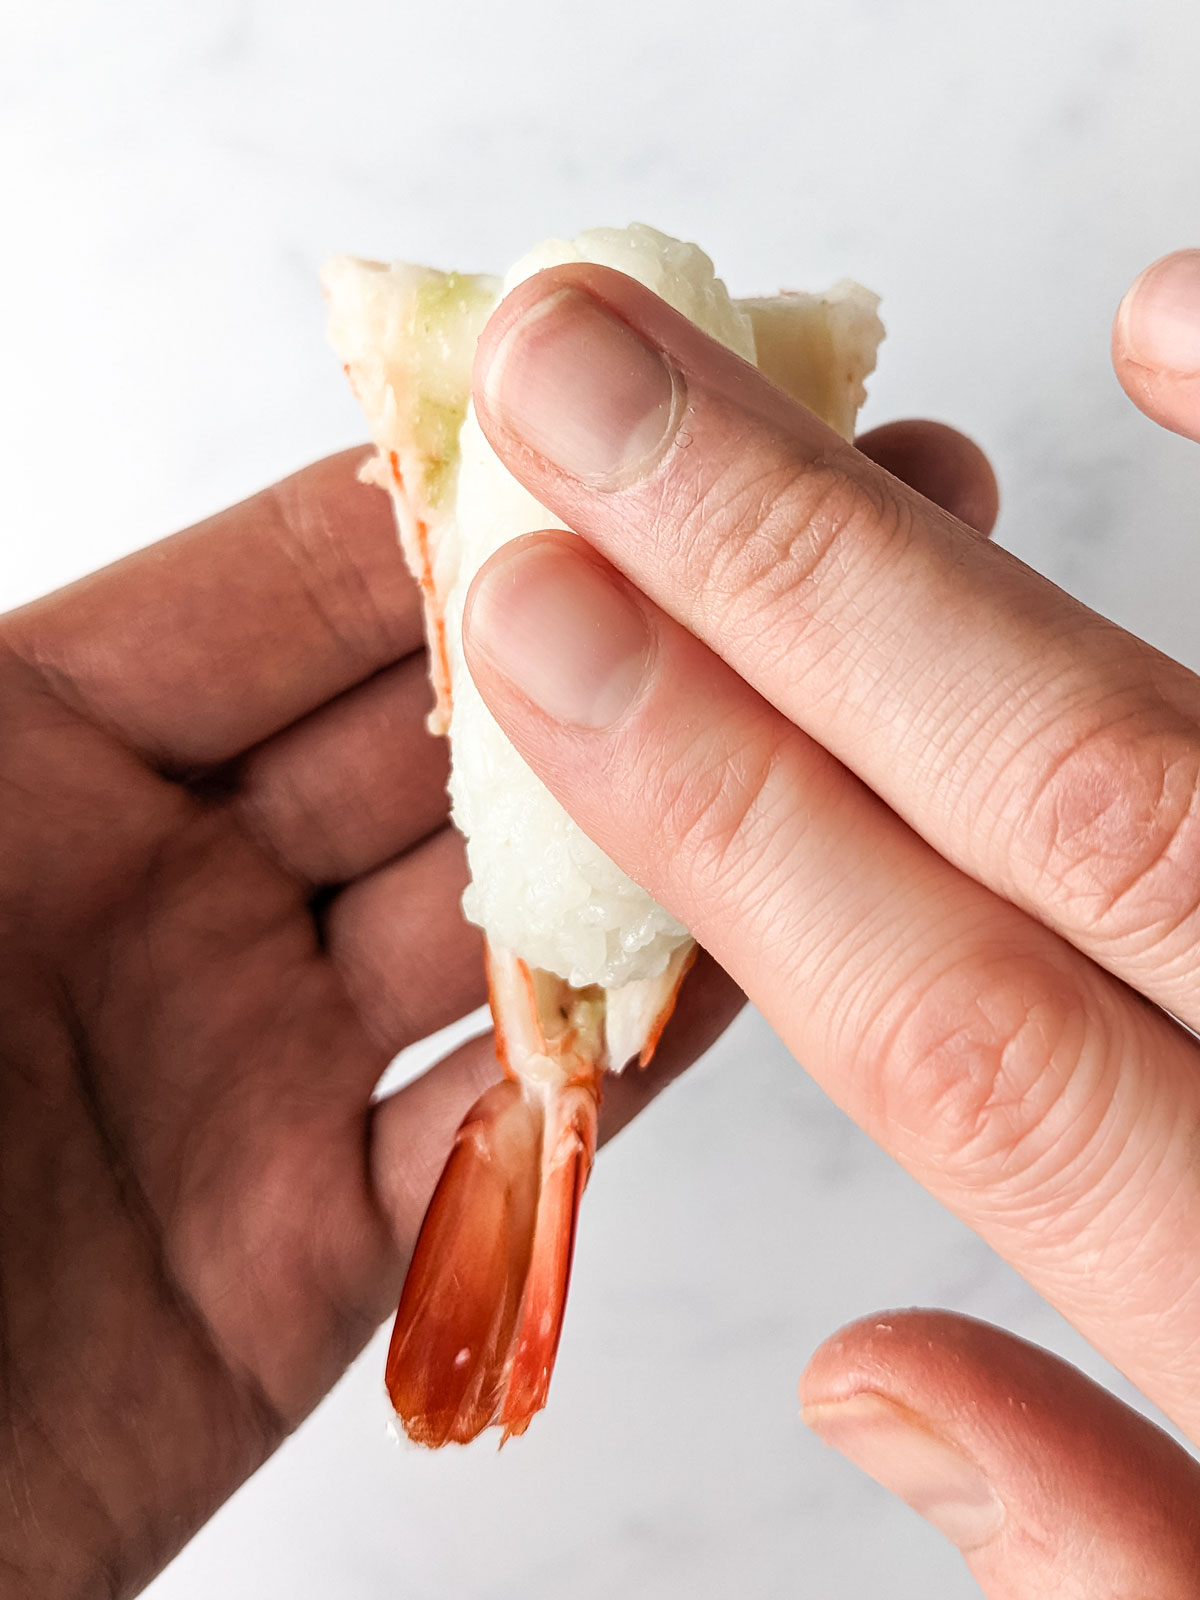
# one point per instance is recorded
(562, 632)
(584, 391)
(1158, 321)
(899, 1450)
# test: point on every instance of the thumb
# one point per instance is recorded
(1045, 1481)
(1156, 342)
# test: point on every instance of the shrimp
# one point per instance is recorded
(583, 967)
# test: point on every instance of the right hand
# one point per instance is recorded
(942, 824)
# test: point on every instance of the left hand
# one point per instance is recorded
(229, 894)
(942, 823)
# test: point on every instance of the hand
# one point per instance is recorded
(942, 823)
(228, 896)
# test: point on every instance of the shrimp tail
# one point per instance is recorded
(452, 1340)
(482, 1309)
(568, 1148)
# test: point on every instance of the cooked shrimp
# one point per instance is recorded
(583, 966)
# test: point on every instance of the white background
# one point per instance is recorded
(173, 175)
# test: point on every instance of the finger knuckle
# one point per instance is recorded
(1113, 831)
(987, 1069)
(767, 535)
(720, 814)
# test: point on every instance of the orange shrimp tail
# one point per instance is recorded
(463, 1293)
(479, 1321)
(569, 1146)
(482, 1309)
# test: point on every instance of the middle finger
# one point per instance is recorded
(1034, 744)
(1047, 1104)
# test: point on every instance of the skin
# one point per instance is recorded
(942, 823)
(229, 894)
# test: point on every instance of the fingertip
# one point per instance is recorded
(941, 464)
(1156, 342)
(1046, 1481)
(921, 1466)
(526, 300)
(871, 1347)
(560, 629)
(1157, 325)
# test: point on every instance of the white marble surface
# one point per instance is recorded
(172, 177)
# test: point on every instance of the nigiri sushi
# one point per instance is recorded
(583, 966)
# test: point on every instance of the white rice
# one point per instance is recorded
(539, 885)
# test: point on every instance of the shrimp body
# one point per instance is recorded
(583, 966)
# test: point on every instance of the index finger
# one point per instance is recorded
(1049, 754)
(202, 645)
